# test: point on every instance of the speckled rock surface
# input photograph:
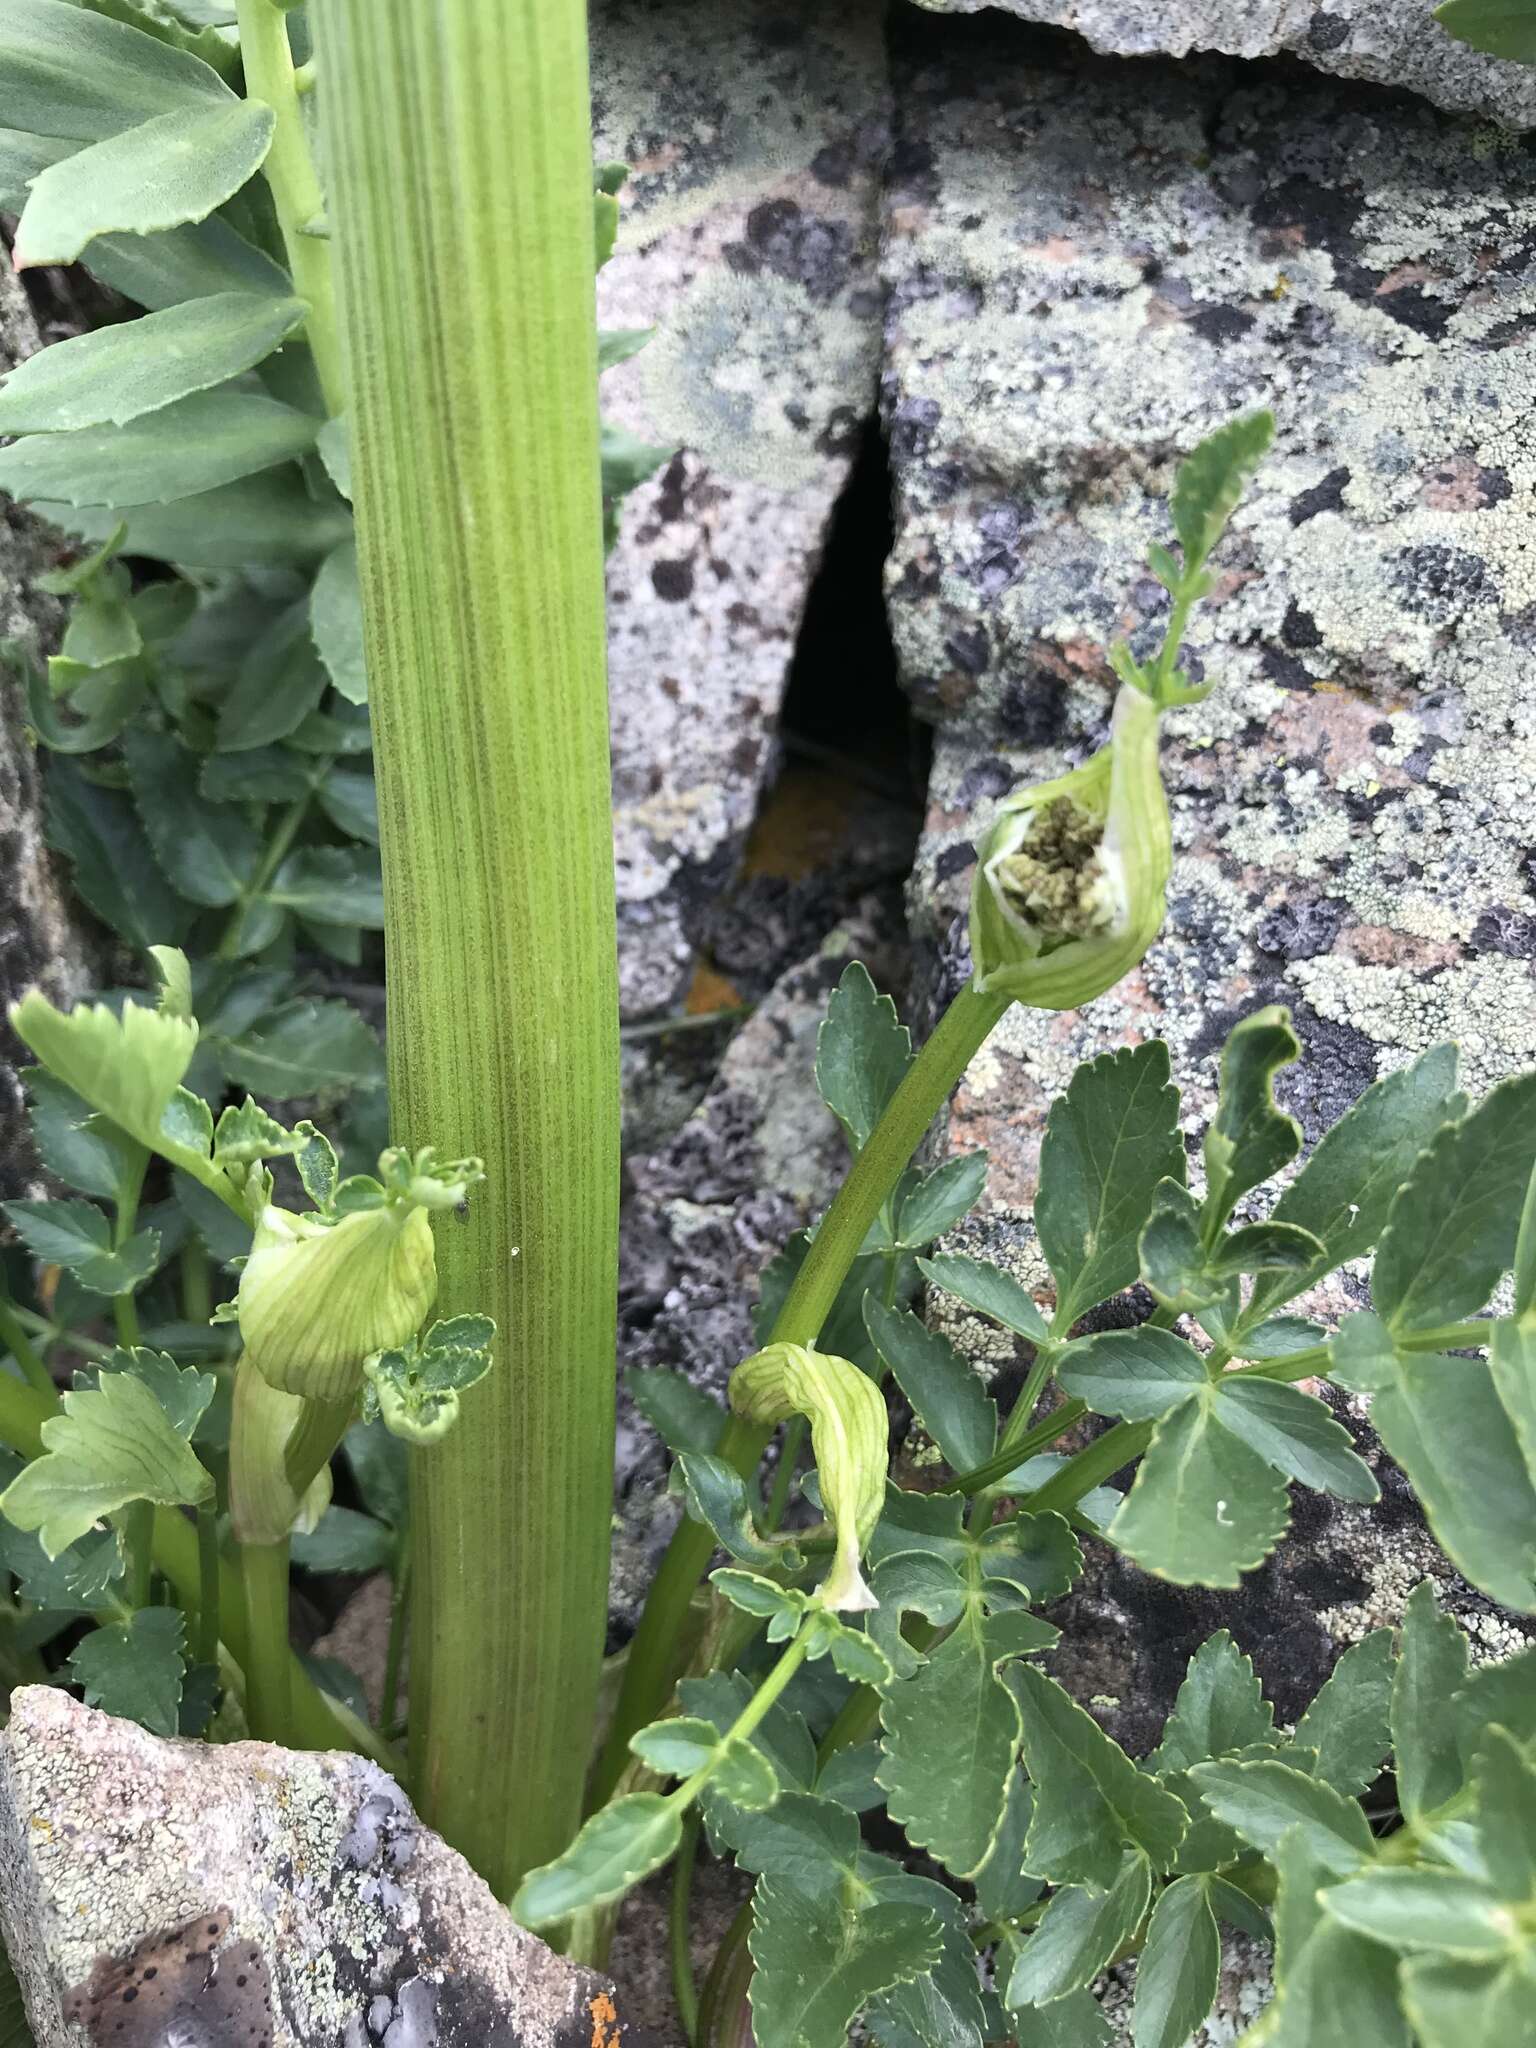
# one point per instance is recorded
(1391, 42)
(39, 941)
(1090, 264)
(257, 1896)
(760, 1157)
(754, 133)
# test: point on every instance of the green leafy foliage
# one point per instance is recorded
(1504, 28)
(862, 1053)
(134, 1668)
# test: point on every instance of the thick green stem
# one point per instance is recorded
(458, 139)
(653, 1664)
(394, 1655)
(268, 1699)
(209, 1588)
(21, 1348)
(295, 186)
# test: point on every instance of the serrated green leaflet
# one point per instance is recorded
(716, 1495)
(1212, 479)
(951, 1734)
(77, 1235)
(622, 1842)
(677, 1747)
(1503, 28)
(168, 171)
(990, 1290)
(1220, 1708)
(1090, 1799)
(1080, 1932)
(209, 851)
(1180, 1965)
(816, 1971)
(1431, 1668)
(134, 1668)
(1003, 1891)
(119, 373)
(935, 1202)
(1204, 1507)
(1347, 1727)
(1249, 1138)
(1453, 1226)
(1108, 1141)
(113, 1444)
(84, 1152)
(945, 2004)
(1265, 1800)
(1423, 1909)
(183, 1391)
(126, 1066)
(1506, 1796)
(182, 451)
(1338, 1989)
(336, 621)
(862, 1053)
(1443, 1422)
(946, 1396)
(1295, 1434)
(1451, 2002)
(81, 77)
(1138, 1374)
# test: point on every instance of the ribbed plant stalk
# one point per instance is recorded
(457, 139)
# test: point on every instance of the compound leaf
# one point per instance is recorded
(1204, 1507)
(1265, 1800)
(1348, 1725)
(1079, 1934)
(863, 1051)
(134, 1668)
(817, 1969)
(1090, 1800)
(1295, 1433)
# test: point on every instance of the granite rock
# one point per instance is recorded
(1091, 263)
(40, 941)
(754, 135)
(251, 1893)
(1389, 42)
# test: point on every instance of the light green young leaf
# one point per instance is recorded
(81, 77)
(127, 1066)
(1109, 1139)
(621, 1843)
(1204, 1507)
(1295, 1434)
(1444, 1424)
(336, 621)
(168, 171)
(1265, 1800)
(1139, 1374)
(1453, 1226)
(115, 374)
(989, 1290)
(180, 452)
(1220, 1709)
(1180, 1965)
(1344, 1192)
(113, 1444)
(134, 1668)
(1348, 1725)
(1090, 1799)
(1431, 1669)
(862, 1052)
(1211, 480)
(817, 1968)
(946, 1395)
(1079, 1934)
(1502, 28)
(183, 1391)
(1249, 1139)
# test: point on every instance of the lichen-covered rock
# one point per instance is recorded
(39, 941)
(754, 133)
(1090, 264)
(1391, 42)
(154, 1892)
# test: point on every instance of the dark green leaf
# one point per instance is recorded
(1348, 1725)
(134, 1668)
(989, 1290)
(1506, 1800)
(682, 1415)
(1452, 2003)
(76, 1235)
(716, 1495)
(951, 1734)
(1502, 28)
(816, 1969)
(1003, 1890)
(937, 1202)
(1264, 1801)
(1071, 2022)
(305, 1048)
(83, 1150)
(263, 775)
(1423, 1909)
(946, 1395)
(848, 1778)
(621, 1843)
(626, 460)
(332, 885)
(1444, 1424)
(336, 621)
(191, 447)
(1295, 1433)
(1108, 1141)
(1512, 1365)
(1452, 1228)
(1139, 1374)
(223, 1234)
(1249, 1139)
(946, 2005)
(1080, 1933)
(350, 800)
(193, 262)
(1431, 1667)
(279, 681)
(345, 1541)
(1090, 1799)
(1172, 1253)
(1204, 1508)
(379, 1465)
(207, 850)
(1339, 1989)
(270, 518)
(1180, 1964)
(117, 373)
(1220, 1709)
(1211, 480)
(863, 1051)
(115, 872)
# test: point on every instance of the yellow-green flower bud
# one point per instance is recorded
(849, 1428)
(1071, 881)
(316, 1297)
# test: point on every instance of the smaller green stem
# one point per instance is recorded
(15, 1339)
(125, 1312)
(783, 1478)
(196, 1282)
(209, 1584)
(139, 1541)
(273, 855)
(1018, 1423)
(1007, 1459)
(394, 1655)
(268, 1696)
(684, 1990)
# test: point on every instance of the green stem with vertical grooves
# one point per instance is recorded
(458, 147)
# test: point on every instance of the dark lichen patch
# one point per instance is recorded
(189, 1987)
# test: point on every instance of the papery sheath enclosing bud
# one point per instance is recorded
(1071, 880)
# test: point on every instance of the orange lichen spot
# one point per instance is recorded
(604, 2017)
(710, 992)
